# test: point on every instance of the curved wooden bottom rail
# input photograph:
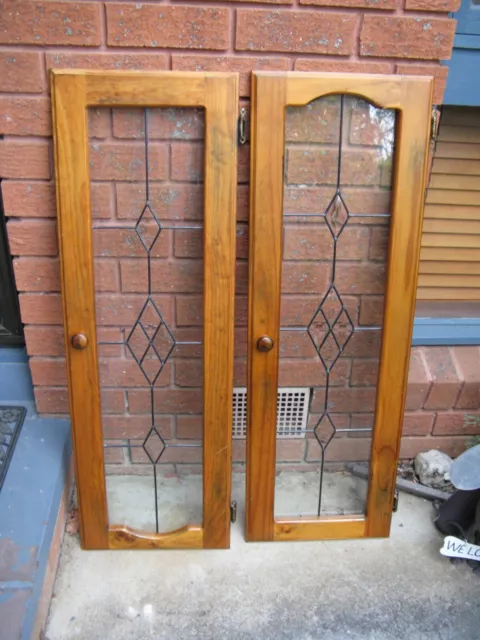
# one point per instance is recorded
(123, 537)
(327, 528)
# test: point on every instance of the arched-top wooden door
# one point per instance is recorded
(309, 187)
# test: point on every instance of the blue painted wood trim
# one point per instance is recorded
(463, 41)
(446, 331)
(463, 88)
(29, 503)
(15, 379)
(13, 354)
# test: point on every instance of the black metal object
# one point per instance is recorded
(11, 329)
(11, 421)
(154, 444)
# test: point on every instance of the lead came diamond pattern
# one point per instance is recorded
(150, 341)
(337, 325)
(154, 445)
(331, 327)
(140, 338)
(148, 218)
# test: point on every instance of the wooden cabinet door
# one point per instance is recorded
(336, 160)
(73, 93)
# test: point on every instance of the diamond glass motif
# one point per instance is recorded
(324, 431)
(336, 332)
(148, 227)
(148, 339)
(331, 327)
(336, 215)
(154, 445)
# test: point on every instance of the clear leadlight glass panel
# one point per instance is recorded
(146, 169)
(338, 168)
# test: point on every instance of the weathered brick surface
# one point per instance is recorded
(42, 274)
(22, 159)
(22, 72)
(295, 31)
(342, 66)
(151, 61)
(110, 161)
(144, 25)
(406, 37)
(50, 23)
(418, 423)
(40, 308)
(25, 116)
(180, 124)
(354, 4)
(364, 372)
(457, 423)
(443, 392)
(170, 201)
(307, 243)
(111, 243)
(27, 199)
(243, 66)
(32, 237)
(419, 381)
(410, 447)
(467, 360)
(445, 379)
(312, 166)
(371, 310)
(122, 310)
(432, 5)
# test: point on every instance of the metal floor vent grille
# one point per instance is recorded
(292, 412)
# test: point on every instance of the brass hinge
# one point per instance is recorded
(242, 127)
(396, 498)
(434, 124)
(233, 511)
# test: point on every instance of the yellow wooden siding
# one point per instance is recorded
(450, 256)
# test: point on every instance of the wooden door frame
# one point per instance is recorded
(411, 97)
(72, 93)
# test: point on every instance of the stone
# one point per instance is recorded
(433, 468)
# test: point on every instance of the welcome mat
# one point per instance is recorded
(11, 421)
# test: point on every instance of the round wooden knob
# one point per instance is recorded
(79, 341)
(265, 343)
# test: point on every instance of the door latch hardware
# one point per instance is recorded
(242, 127)
(79, 341)
(265, 343)
(233, 511)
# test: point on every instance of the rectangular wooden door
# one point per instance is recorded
(131, 154)
(338, 166)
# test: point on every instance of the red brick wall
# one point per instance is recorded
(328, 35)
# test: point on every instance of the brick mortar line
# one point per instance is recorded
(460, 375)
(103, 25)
(237, 54)
(429, 377)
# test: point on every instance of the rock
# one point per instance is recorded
(433, 468)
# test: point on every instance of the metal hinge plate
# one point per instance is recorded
(233, 511)
(396, 498)
(434, 124)
(242, 126)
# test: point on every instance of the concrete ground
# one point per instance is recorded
(131, 498)
(390, 589)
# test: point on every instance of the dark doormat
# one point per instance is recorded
(11, 421)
